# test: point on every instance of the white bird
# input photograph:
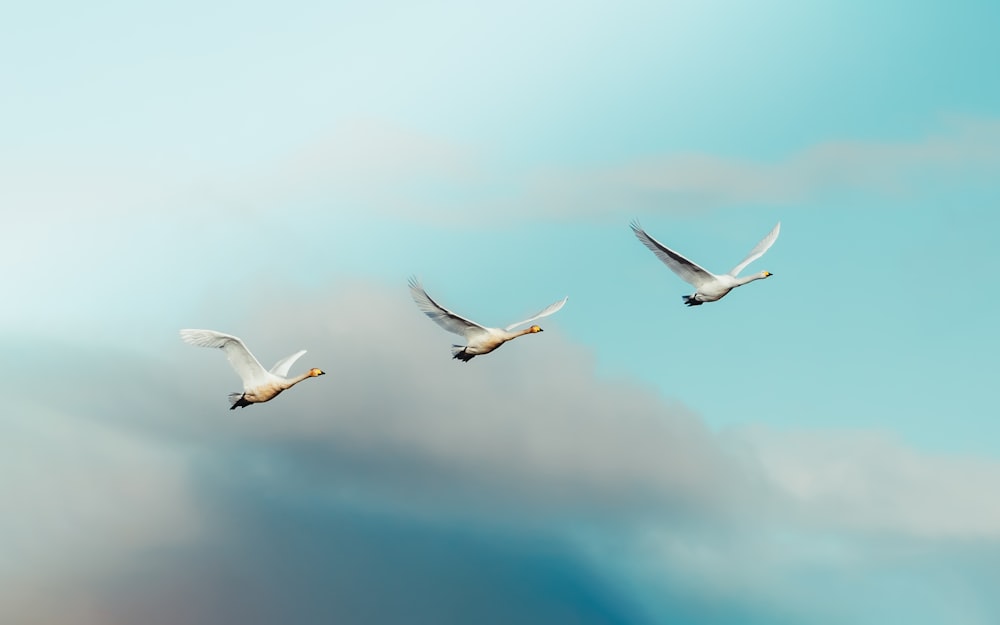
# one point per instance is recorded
(259, 385)
(480, 339)
(708, 286)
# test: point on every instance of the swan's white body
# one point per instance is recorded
(259, 384)
(480, 339)
(709, 287)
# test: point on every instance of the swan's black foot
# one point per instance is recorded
(690, 300)
(459, 352)
(239, 402)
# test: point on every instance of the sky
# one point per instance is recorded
(817, 448)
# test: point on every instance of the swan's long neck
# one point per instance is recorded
(750, 278)
(290, 382)
(522, 333)
(513, 335)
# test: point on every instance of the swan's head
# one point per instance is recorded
(534, 329)
(316, 372)
(766, 274)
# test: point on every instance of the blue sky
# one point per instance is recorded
(816, 448)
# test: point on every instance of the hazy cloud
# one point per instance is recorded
(371, 166)
(403, 174)
(693, 181)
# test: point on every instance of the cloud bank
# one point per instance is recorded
(405, 484)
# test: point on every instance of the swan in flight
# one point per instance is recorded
(259, 385)
(708, 286)
(480, 339)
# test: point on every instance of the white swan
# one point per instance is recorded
(708, 286)
(259, 385)
(480, 339)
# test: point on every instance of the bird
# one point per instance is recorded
(479, 339)
(709, 287)
(259, 385)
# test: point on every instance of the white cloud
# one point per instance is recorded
(868, 481)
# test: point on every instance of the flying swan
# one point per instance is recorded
(259, 385)
(708, 286)
(480, 339)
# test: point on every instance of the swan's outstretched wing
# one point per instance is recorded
(441, 315)
(758, 250)
(246, 366)
(685, 269)
(281, 367)
(551, 308)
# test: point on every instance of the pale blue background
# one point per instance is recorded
(168, 165)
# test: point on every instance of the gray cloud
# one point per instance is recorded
(64, 489)
(371, 474)
(285, 559)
